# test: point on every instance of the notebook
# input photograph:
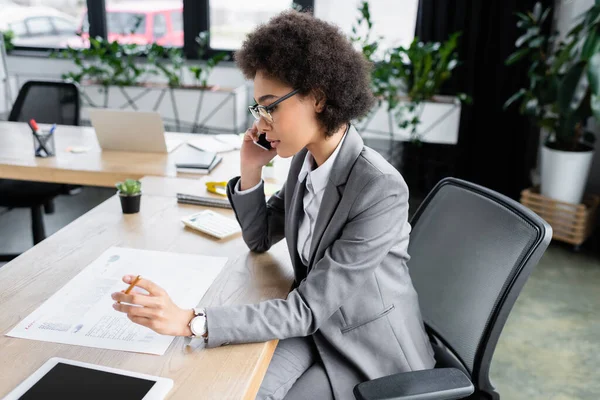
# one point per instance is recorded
(190, 157)
(203, 201)
(203, 171)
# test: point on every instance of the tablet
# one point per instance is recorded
(64, 379)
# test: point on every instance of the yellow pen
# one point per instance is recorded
(132, 285)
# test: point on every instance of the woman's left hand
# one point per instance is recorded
(155, 310)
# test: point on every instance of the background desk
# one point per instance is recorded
(95, 167)
(227, 372)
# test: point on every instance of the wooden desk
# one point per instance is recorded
(230, 372)
(94, 167)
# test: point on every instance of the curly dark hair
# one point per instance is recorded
(315, 57)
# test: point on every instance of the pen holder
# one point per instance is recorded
(43, 144)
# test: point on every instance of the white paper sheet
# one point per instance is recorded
(231, 139)
(81, 312)
(210, 144)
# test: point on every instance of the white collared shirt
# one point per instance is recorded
(316, 182)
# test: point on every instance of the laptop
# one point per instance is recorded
(137, 131)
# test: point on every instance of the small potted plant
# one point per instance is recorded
(269, 170)
(130, 193)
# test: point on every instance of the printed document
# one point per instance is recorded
(81, 312)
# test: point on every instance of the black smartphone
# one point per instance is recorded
(263, 142)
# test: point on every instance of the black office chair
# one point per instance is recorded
(46, 102)
(472, 250)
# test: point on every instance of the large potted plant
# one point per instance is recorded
(562, 95)
(419, 122)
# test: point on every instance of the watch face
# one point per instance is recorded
(197, 325)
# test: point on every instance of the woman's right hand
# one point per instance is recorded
(253, 157)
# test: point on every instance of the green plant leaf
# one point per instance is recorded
(595, 104)
(545, 15)
(568, 86)
(465, 98)
(523, 17)
(594, 74)
(537, 11)
(531, 33)
(516, 56)
(514, 98)
(592, 17)
(537, 42)
(531, 107)
(591, 45)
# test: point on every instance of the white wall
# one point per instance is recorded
(566, 15)
(394, 21)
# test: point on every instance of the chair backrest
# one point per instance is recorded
(471, 250)
(47, 102)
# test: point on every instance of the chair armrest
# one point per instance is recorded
(432, 384)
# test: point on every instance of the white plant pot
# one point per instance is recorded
(440, 120)
(565, 174)
(268, 172)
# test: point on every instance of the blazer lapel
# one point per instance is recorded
(340, 171)
(296, 213)
(296, 209)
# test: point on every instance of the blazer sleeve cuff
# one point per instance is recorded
(238, 191)
(217, 320)
(245, 203)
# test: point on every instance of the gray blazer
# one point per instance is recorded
(355, 297)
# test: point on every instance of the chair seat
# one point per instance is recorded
(25, 194)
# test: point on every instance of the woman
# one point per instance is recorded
(353, 314)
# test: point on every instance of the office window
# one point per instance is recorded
(232, 20)
(160, 26)
(394, 20)
(144, 22)
(177, 21)
(41, 23)
(64, 23)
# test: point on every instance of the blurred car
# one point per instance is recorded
(139, 23)
(37, 26)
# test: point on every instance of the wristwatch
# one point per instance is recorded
(198, 324)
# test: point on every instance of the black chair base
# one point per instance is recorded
(8, 257)
(37, 228)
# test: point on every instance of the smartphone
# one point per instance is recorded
(263, 142)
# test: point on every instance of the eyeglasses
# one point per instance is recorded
(259, 111)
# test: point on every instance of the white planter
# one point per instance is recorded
(440, 120)
(268, 173)
(224, 108)
(565, 174)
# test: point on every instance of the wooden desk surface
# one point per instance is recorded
(223, 373)
(94, 167)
